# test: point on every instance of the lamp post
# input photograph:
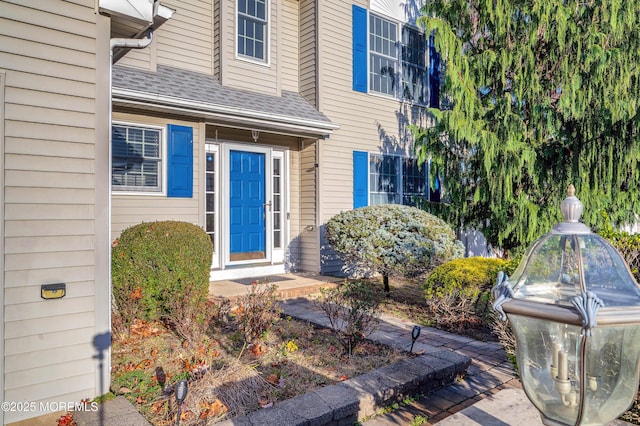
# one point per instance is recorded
(574, 308)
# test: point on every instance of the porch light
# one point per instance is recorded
(574, 308)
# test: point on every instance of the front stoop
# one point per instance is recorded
(363, 396)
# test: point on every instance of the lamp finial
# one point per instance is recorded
(571, 207)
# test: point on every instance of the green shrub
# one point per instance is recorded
(351, 309)
(458, 293)
(627, 244)
(392, 239)
(157, 268)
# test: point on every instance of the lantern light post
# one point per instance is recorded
(574, 308)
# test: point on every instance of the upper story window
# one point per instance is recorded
(136, 158)
(252, 29)
(393, 59)
(383, 55)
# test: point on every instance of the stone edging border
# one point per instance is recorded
(354, 399)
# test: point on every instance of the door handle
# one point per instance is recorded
(267, 205)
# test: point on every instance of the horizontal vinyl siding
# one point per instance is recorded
(131, 209)
(294, 210)
(48, 52)
(307, 72)
(289, 44)
(383, 129)
(241, 73)
(186, 40)
(309, 244)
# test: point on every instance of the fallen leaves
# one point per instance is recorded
(213, 409)
(67, 420)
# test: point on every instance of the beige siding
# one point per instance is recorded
(49, 59)
(382, 129)
(294, 210)
(242, 73)
(289, 48)
(132, 209)
(186, 40)
(309, 243)
(216, 39)
(307, 73)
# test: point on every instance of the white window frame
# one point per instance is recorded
(399, 194)
(162, 167)
(215, 150)
(399, 77)
(266, 33)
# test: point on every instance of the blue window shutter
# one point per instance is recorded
(180, 161)
(359, 18)
(360, 179)
(434, 74)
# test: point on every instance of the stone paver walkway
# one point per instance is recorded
(490, 371)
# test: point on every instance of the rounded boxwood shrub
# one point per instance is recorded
(158, 267)
(458, 293)
(392, 239)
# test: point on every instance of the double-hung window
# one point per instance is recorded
(383, 55)
(395, 179)
(392, 58)
(252, 29)
(136, 158)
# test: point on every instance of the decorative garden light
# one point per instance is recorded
(575, 310)
(181, 390)
(415, 333)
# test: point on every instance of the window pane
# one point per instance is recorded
(136, 158)
(252, 28)
(414, 71)
(383, 179)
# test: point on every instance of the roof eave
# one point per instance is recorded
(224, 115)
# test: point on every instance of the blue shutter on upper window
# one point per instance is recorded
(180, 161)
(359, 18)
(360, 179)
(434, 74)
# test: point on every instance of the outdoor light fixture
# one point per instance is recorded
(574, 308)
(415, 333)
(181, 393)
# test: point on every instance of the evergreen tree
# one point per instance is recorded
(536, 95)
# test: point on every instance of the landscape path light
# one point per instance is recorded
(574, 308)
(181, 389)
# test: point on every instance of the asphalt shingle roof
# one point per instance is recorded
(202, 88)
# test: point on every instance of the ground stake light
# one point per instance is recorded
(575, 310)
(181, 389)
(415, 333)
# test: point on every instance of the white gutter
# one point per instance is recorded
(131, 43)
(222, 112)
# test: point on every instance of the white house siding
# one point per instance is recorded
(242, 73)
(367, 122)
(128, 209)
(48, 57)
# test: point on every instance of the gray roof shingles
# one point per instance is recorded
(202, 88)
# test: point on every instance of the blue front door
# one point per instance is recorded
(247, 205)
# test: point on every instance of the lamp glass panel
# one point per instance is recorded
(611, 359)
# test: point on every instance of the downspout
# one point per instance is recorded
(114, 43)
